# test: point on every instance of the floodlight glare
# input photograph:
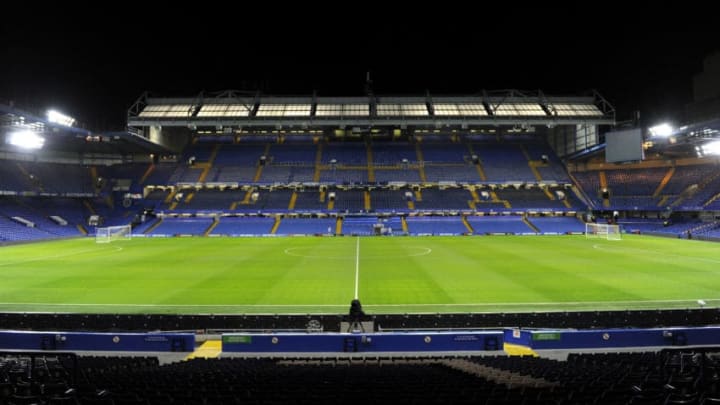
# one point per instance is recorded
(662, 130)
(711, 148)
(26, 140)
(60, 118)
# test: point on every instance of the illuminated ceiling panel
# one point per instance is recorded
(166, 110)
(356, 110)
(297, 110)
(395, 110)
(270, 110)
(389, 110)
(224, 110)
(573, 110)
(414, 109)
(446, 109)
(328, 110)
(520, 109)
(472, 109)
(284, 110)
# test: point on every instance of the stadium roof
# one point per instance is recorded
(506, 107)
(59, 137)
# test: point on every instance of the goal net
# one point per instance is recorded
(113, 233)
(604, 231)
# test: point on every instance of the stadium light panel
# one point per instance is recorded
(711, 148)
(663, 130)
(60, 118)
(26, 140)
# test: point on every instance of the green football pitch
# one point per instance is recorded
(389, 274)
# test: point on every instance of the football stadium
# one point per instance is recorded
(239, 247)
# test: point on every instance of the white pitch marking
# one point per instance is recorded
(357, 266)
(175, 305)
(477, 304)
(427, 251)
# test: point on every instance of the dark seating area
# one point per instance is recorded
(675, 376)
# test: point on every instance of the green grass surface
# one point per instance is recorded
(394, 275)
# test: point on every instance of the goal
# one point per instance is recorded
(604, 231)
(113, 233)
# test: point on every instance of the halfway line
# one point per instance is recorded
(357, 266)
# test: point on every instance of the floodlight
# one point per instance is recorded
(26, 140)
(662, 130)
(711, 148)
(60, 118)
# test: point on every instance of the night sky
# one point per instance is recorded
(95, 67)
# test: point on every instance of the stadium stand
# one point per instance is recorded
(307, 226)
(239, 226)
(436, 226)
(500, 225)
(182, 226)
(558, 224)
(508, 177)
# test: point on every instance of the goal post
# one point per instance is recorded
(112, 233)
(604, 231)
